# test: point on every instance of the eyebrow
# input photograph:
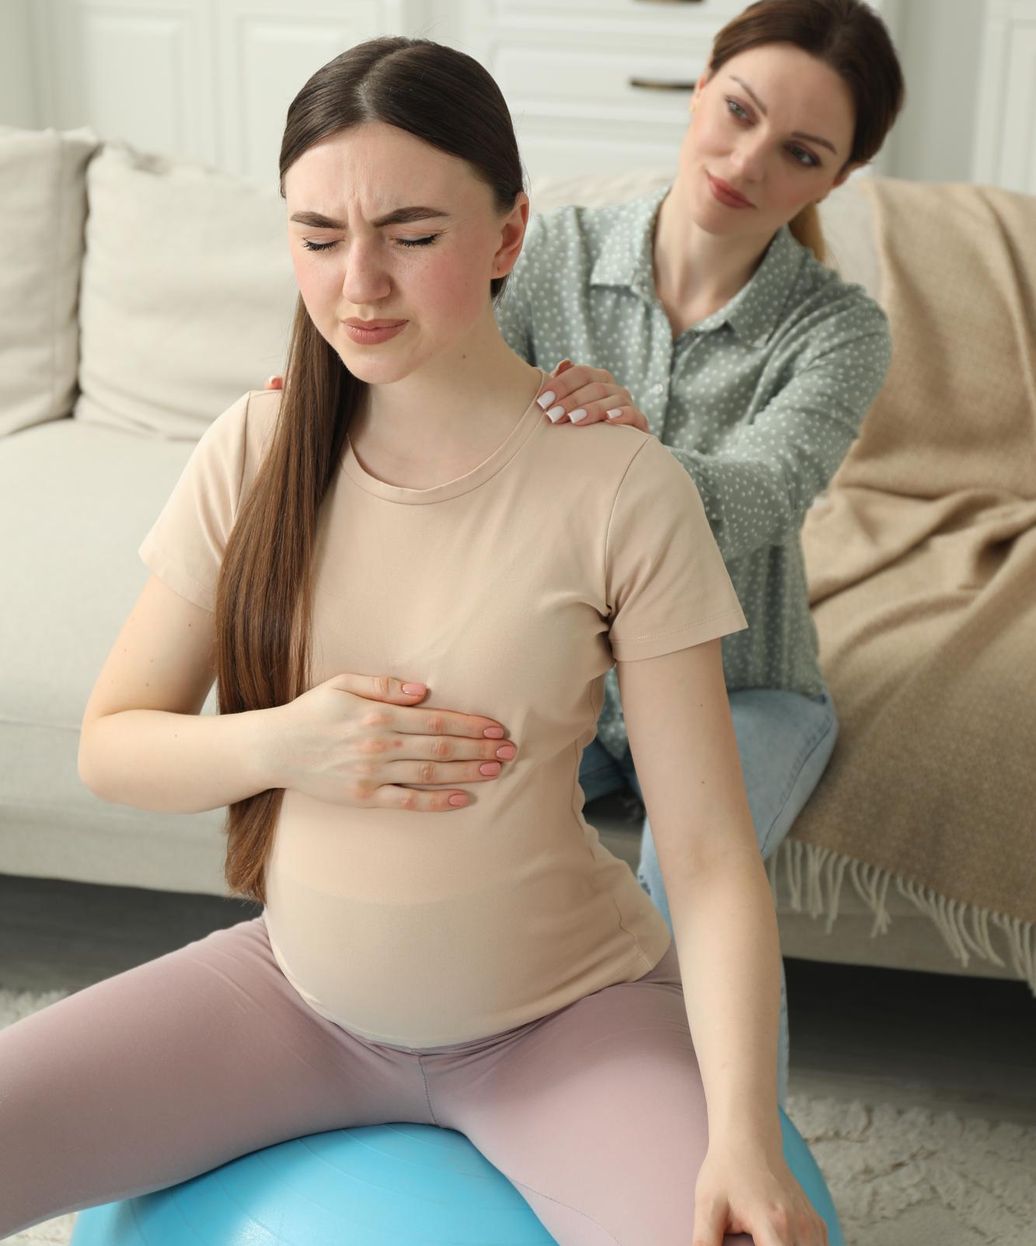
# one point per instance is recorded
(400, 216)
(812, 138)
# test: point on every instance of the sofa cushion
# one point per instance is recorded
(188, 293)
(75, 500)
(42, 210)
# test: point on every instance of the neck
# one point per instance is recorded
(699, 269)
(456, 408)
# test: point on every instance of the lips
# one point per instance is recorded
(726, 194)
(371, 332)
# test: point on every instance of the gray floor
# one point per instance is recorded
(882, 1035)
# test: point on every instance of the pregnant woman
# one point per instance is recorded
(702, 315)
(403, 506)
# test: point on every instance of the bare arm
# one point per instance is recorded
(355, 739)
(727, 941)
(724, 922)
(143, 740)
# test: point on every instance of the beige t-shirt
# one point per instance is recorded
(509, 591)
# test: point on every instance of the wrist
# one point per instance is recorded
(264, 744)
(752, 1128)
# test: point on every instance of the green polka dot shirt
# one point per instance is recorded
(759, 402)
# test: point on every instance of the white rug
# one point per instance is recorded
(898, 1178)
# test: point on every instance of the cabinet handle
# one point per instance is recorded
(662, 84)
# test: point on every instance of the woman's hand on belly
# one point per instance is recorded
(360, 740)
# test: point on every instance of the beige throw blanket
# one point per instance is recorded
(922, 567)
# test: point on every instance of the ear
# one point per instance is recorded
(703, 81)
(512, 235)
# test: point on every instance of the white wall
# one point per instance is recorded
(939, 43)
(18, 103)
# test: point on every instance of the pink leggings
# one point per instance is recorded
(596, 1112)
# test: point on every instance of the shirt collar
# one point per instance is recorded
(626, 255)
(753, 313)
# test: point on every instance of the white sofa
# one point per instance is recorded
(140, 297)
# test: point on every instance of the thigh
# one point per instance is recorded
(596, 1114)
(166, 1071)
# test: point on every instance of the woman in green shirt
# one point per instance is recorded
(703, 315)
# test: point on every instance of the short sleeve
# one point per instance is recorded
(666, 582)
(185, 545)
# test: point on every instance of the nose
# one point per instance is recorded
(749, 156)
(366, 279)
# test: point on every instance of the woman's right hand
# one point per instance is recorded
(362, 740)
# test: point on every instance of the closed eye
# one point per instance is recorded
(310, 245)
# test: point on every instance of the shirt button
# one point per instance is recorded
(657, 388)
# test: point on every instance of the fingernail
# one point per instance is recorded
(555, 413)
(546, 399)
(506, 751)
(413, 689)
(578, 414)
(489, 768)
(614, 415)
(494, 733)
(457, 799)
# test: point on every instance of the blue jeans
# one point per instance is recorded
(785, 740)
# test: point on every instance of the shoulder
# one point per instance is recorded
(820, 299)
(243, 430)
(610, 461)
(828, 322)
(228, 454)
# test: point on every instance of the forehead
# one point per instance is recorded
(376, 168)
(799, 90)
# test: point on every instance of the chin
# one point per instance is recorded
(375, 371)
(714, 219)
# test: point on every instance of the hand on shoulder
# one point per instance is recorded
(577, 394)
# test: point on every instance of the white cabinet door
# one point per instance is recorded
(204, 79)
(1005, 138)
(139, 70)
(266, 50)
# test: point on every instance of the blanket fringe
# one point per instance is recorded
(814, 877)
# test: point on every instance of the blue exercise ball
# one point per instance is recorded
(386, 1185)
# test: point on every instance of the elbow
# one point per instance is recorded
(83, 766)
(86, 765)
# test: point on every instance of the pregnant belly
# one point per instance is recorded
(422, 936)
(414, 975)
(450, 971)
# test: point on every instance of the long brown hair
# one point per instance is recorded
(852, 39)
(264, 594)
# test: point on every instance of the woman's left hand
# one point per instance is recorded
(580, 395)
(760, 1196)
